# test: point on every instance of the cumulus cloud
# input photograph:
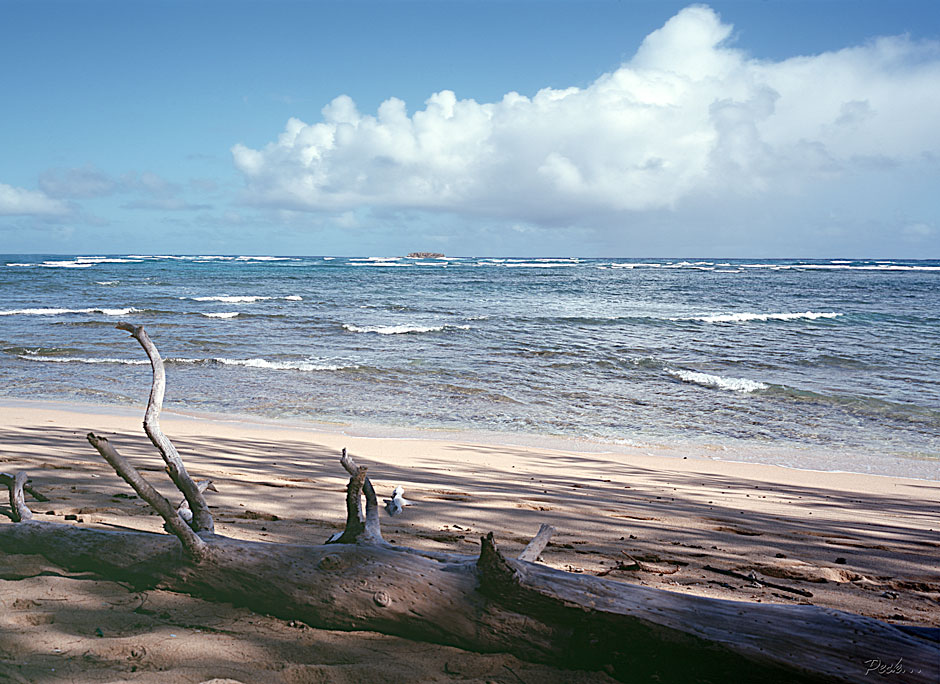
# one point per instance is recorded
(687, 118)
(21, 202)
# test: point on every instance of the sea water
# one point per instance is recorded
(820, 357)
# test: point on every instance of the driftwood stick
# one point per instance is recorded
(749, 578)
(33, 492)
(353, 469)
(370, 531)
(20, 511)
(193, 544)
(202, 518)
(354, 524)
(535, 547)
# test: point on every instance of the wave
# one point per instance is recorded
(402, 329)
(107, 282)
(221, 314)
(82, 359)
(242, 299)
(67, 264)
(717, 381)
(58, 312)
(745, 317)
(306, 366)
(283, 365)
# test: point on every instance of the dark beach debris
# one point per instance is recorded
(752, 577)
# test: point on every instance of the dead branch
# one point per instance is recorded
(535, 547)
(193, 544)
(202, 518)
(754, 578)
(33, 492)
(370, 531)
(19, 510)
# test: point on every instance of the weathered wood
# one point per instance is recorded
(19, 510)
(367, 529)
(202, 518)
(758, 580)
(194, 546)
(497, 604)
(182, 508)
(534, 548)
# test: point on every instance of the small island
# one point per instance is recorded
(425, 255)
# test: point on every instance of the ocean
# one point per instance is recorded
(824, 364)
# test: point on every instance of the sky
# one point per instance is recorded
(748, 128)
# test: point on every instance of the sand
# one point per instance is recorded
(861, 543)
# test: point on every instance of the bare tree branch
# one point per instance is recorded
(367, 527)
(202, 518)
(535, 547)
(17, 499)
(193, 544)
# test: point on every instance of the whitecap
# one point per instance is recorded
(67, 264)
(59, 312)
(745, 317)
(22, 265)
(294, 298)
(401, 329)
(236, 299)
(282, 365)
(83, 359)
(717, 381)
(221, 314)
(107, 282)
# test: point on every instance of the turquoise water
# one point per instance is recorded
(827, 355)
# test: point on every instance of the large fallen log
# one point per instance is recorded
(489, 603)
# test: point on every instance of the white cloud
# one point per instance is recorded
(20, 202)
(687, 119)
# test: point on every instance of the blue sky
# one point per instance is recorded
(759, 128)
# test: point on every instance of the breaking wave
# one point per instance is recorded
(717, 381)
(745, 317)
(59, 312)
(402, 329)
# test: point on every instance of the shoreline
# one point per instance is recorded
(845, 541)
(789, 456)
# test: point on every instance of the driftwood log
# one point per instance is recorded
(489, 603)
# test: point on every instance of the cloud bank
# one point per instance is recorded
(687, 119)
(21, 202)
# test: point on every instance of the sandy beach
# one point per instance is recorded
(860, 543)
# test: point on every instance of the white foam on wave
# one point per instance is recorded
(233, 299)
(539, 264)
(381, 264)
(745, 317)
(401, 329)
(716, 381)
(264, 258)
(67, 264)
(106, 282)
(82, 359)
(221, 314)
(283, 365)
(59, 312)
(107, 260)
(242, 299)
(22, 265)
